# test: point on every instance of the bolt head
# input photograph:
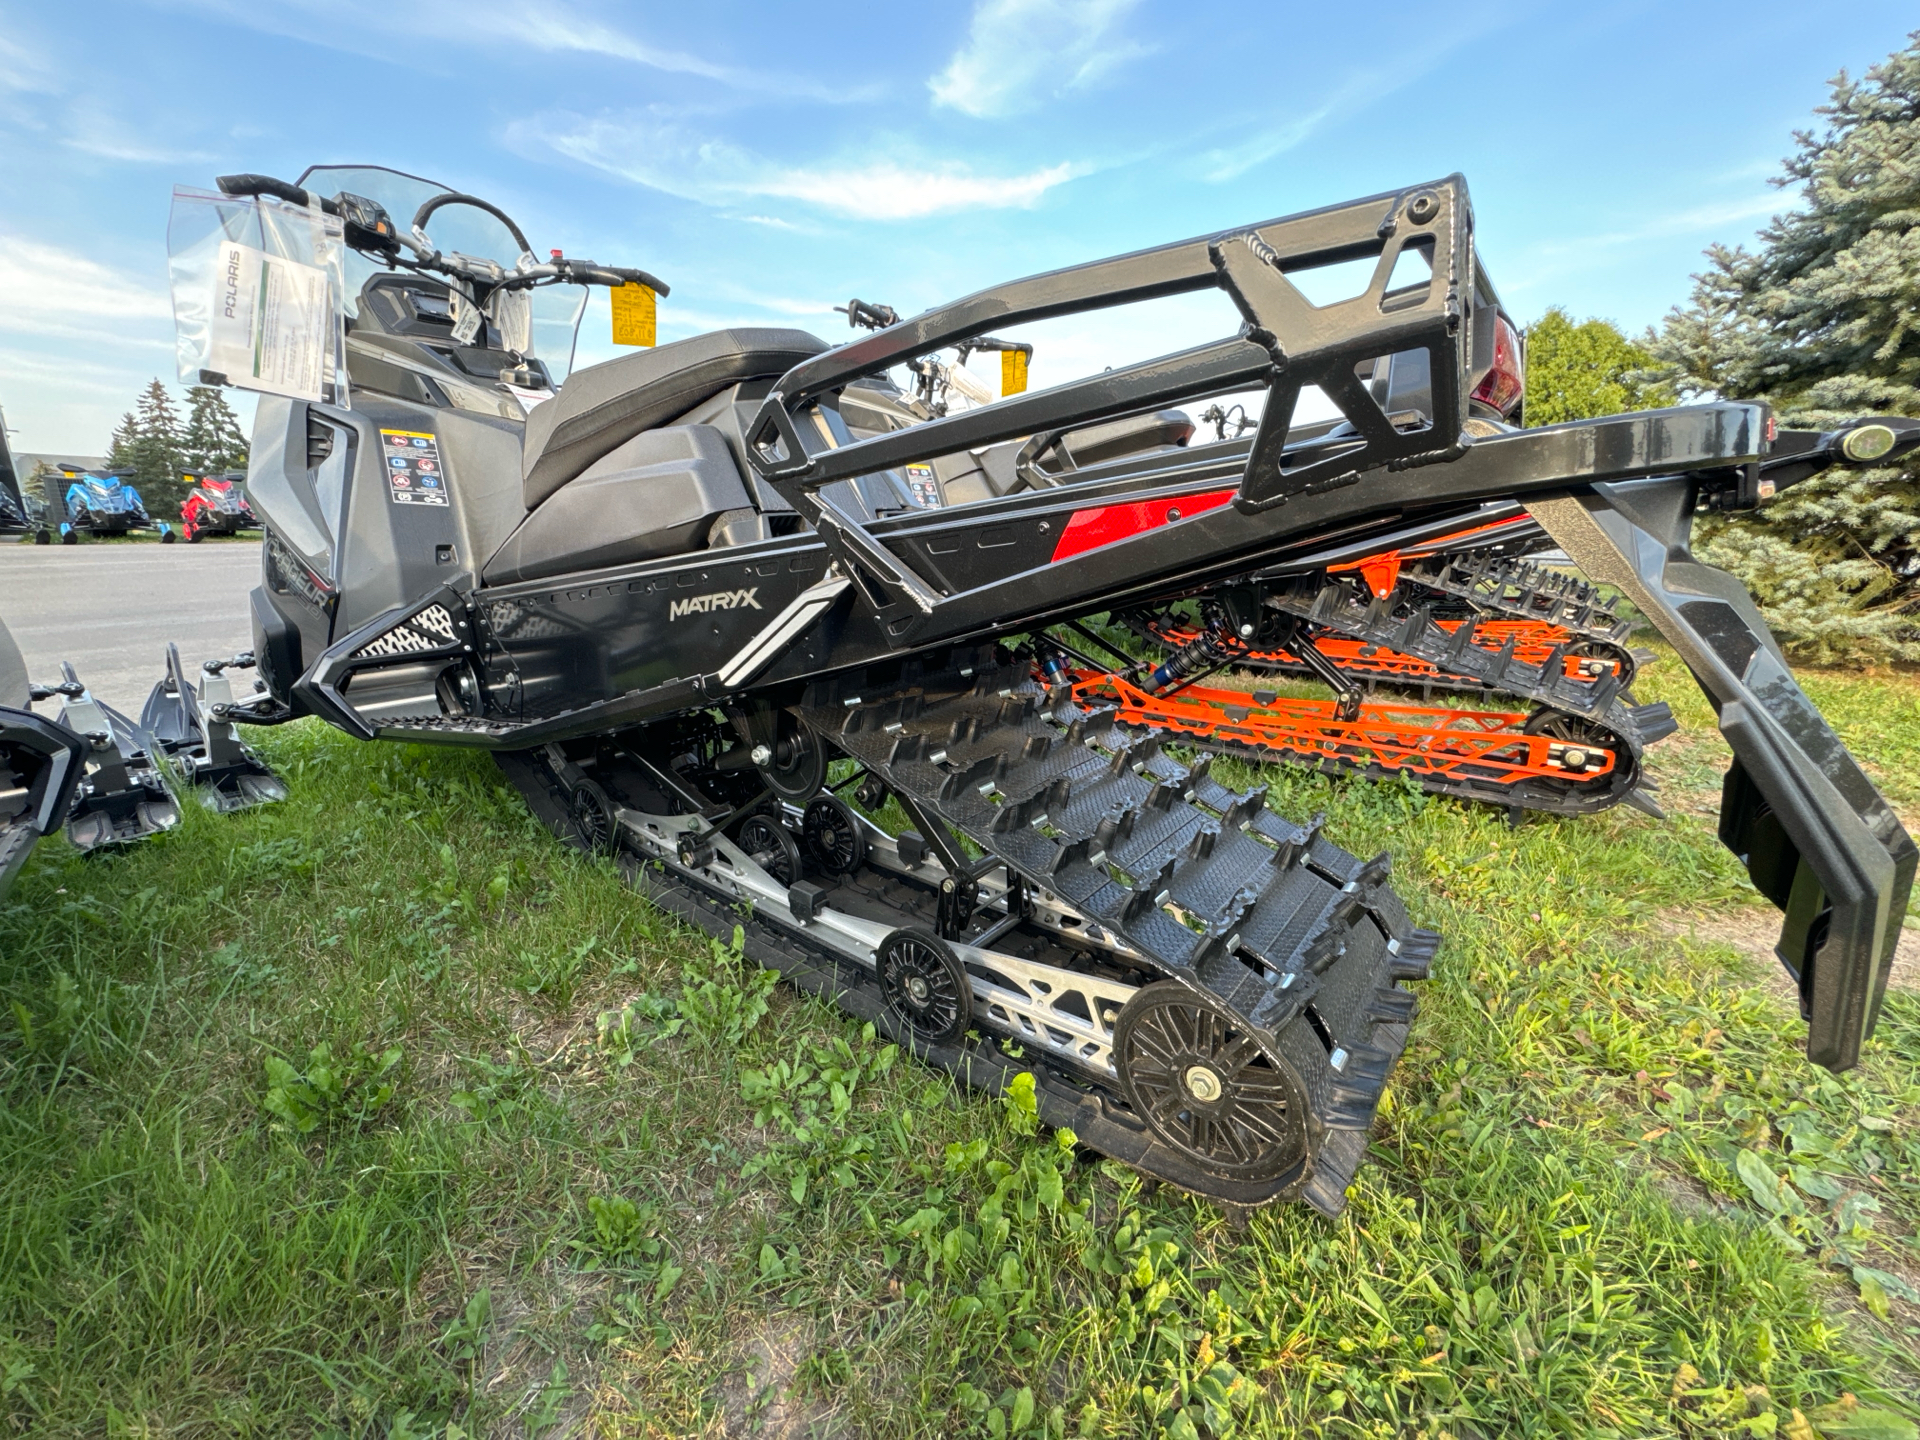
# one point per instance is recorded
(760, 754)
(1203, 1083)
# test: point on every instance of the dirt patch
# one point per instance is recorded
(757, 1396)
(1753, 930)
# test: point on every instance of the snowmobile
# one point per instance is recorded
(101, 502)
(709, 631)
(192, 726)
(1522, 761)
(41, 763)
(216, 506)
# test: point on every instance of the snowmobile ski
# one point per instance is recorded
(124, 796)
(192, 726)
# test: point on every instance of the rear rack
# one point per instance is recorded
(1286, 344)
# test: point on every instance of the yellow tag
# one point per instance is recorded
(1013, 371)
(633, 314)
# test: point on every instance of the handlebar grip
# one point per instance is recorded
(622, 274)
(253, 185)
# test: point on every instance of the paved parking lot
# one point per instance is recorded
(111, 609)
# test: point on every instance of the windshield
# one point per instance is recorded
(556, 308)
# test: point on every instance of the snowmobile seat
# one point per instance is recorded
(659, 493)
(606, 405)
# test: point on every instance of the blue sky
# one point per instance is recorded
(769, 161)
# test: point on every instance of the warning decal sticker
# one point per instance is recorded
(414, 476)
(926, 490)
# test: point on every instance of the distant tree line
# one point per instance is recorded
(1822, 321)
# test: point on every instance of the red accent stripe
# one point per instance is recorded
(1090, 529)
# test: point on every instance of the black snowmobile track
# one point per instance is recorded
(1297, 939)
(1292, 935)
(1396, 622)
(1523, 590)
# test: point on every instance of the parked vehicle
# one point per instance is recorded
(216, 505)
(706, 627)
(101, 502)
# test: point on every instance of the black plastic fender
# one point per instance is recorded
(1815, 835)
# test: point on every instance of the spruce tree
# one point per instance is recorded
(120, 446)
(1822, 320)
(213, 440)
(156, 453)
(1580, 372)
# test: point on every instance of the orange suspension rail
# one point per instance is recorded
(1533, 643)
(1480, 750)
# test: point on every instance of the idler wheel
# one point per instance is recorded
(1206, 1087)
(795, 764)
(590, 810)
(834, 839)
(1598, 658)
(771, 846)
(925, 985)
(1585, 746)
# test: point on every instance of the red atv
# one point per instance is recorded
(216, 506)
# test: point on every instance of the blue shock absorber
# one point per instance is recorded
(1192, 659)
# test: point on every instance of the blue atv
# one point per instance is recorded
(103, 503)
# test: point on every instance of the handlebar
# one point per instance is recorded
(491, 273)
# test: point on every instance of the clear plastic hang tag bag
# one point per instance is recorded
(259, 295)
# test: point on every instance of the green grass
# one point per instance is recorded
(565, 1167)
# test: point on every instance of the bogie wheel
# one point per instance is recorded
(1207, 1088)
(592, 813)
(795, 766)
(834, 839)
(926, 986)
(771, 846)
(1585, 740)
(1608, 658)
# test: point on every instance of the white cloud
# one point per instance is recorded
(1230, 162)
(23, 70)
(47, 286)
(92, 133)
(1020, 53)
(659, 153)
(552, 27)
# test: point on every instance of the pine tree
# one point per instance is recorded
(1823, 321)
(155, 450)
(1580, 372)
(213, 440)
(120, 447)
